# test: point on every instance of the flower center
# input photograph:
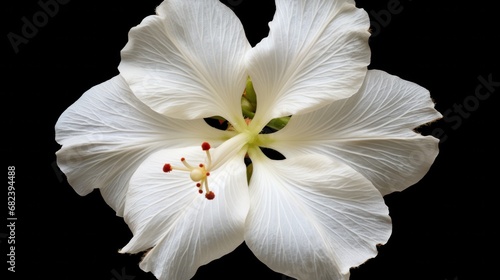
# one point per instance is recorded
(198, 174)
(250, 137)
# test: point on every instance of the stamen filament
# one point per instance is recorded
(209, 159)
(183, 160)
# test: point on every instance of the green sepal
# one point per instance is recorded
(250, 93)
(247, 108)
(278, 123)
(249, 172)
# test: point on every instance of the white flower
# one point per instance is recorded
(314, 214)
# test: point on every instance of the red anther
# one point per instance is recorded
(183, 159)
(207, 174)
(201, 165)
(198, 185)
(210, 195)
(167, 168)
(200, 191)
(205, 146)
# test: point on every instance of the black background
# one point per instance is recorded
(444, 227)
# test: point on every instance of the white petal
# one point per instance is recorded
(313, 218)
(107, 133)
(188, 61)
(372, 132)
(317, 52)
(183, 228)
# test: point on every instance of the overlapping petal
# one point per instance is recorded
(188, 61)
(107, 133)
(373, 132)
(313, 218)
(316, 52)
(182, 229)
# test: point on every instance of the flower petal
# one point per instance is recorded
(313, 218)
(108, 132)
(317, 52)
(184, 229)
(188, 61)
(372, 132)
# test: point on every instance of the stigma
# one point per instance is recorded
(198, 173)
